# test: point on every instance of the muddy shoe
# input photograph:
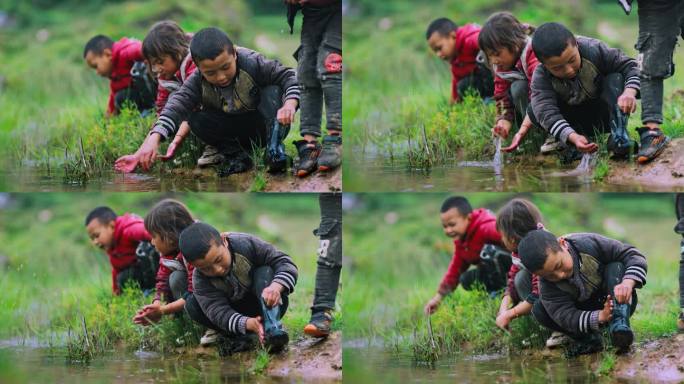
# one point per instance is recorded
(550, 145)
(319, 325)
(230, 344)
(210, 337)
(210, 156)
(276, 337)
(557, 339)
(588, 344)
(653, 142)
(331, 154)
(236, 163)
(308, 153)
(569, 154)
(620, 333)
(680, 321)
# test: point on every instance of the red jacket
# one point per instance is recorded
(510, 288)
(162, 286)
(466, 54)
(481, 231)
(524, 68)
(124, 53)
(129, 231)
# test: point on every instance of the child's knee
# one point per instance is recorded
(613, 273)
(330, 250)
(178, 282)
(523, 284)
(329, 64)
(656, 47)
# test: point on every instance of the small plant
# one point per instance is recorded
(261, 361)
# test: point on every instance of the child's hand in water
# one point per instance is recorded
(126, 164)
(170, 151)
(582, 143)
(503, 320)
(627, 101)
(271, 294)
(254, 325)
(623, 291)
(607, 312)
(502, 128)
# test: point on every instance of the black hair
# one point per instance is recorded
(551, 39)
(166, 38)
(168, 218)
(443, 26)
(517, 218)
(503, 30)
(458, 202)
(103, 214)
(208, 43)
(535, 247)
(97, 45)
(195, 240)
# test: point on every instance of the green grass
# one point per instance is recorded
(56, 283)
(398, 255)
(394, 86)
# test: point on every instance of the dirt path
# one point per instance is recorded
(659, 361)
(666, 172)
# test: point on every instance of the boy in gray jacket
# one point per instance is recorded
(584, 87)
(241, 282)
(585, 281)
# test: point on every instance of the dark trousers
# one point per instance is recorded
(681, 276)
(659, 29)
(520, 97)
(612, 276)
(319, 69)
(491, 274)
(523, 285)
(250, 304)
(480, 81)
(138, 273)
(238, 132)
(178, 282)
(594, 116)
(329, 263)
(141, 93)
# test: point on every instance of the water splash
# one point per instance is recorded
(497, 162)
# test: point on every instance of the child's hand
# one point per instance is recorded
(433, 304)
(253, 324)
(627, 101)
(286, 113)
(502, 128)
(582, 143)
(147, 152)
(607, 312)
(623, 291)
(151, 312)
(503, 321)
(170, 151)
(126, 164)
(517, 139)
(271, 294)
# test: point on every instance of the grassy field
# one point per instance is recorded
(54, 280)
(397, 91)
(397, 255)
(53, 104)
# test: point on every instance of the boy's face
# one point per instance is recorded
(221, 70)
(567, 65)
(443, 46)
(164, 247)
(164, 67)
(504, 59)
(102, 64)
(454, 224)
(558, 265)
(216, 263)
(101, 235)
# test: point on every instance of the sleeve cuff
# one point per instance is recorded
(594, 320)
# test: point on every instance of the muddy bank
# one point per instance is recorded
(659, 361)
(666, 172)
(318, 182)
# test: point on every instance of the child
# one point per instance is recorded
(508, 46)
(121, 237)
(118, 61)
(583, 86)
(679, 228)
(237, 91)
(319, 71)
(473, 231)
(459, 47)
(660, 24)
(241, 282)
(165, 221)
(329, 265)
(586, 281)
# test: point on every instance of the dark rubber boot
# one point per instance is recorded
(620, 332)
(276, 158)
(276, 337)
(619, 142)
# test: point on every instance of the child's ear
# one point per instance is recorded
(452, 34)
(107, 52)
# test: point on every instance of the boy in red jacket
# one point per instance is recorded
(459, 47)
(475, 242)
(123, 238)
(122, 63)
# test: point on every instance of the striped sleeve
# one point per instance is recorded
(292, 92)
(633, 82)
(636, 273)
(544, 103)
